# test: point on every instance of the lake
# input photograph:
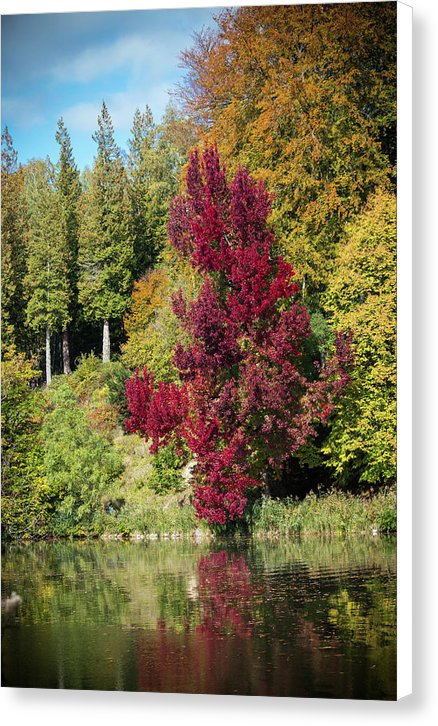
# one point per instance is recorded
(311, 617)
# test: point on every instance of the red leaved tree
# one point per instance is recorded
(243, 405)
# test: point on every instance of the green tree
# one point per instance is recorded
(105, 243)
(13, 258)
(141, 143)
(25, 504)
(154, 165)
(151, 327)
(361, 296)
(69, 188)
(48, 257)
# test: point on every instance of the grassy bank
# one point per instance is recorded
(150, 515)
(334, 513)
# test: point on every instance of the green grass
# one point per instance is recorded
(335, 513)
(149, 515)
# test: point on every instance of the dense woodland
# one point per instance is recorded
(224, 289)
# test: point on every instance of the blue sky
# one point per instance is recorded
(64, 64)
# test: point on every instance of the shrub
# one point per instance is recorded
(152, 514)
(86, 377)
(116, 374)
(166, 469)
(100, 388)
(387, 515)
(79, 463)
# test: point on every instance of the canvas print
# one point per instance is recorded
(199, 350)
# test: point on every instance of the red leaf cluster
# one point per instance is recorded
(154, 413)
(244, 404)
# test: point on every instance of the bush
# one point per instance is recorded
(116, 375)
(166, 473)
(79, 463)
(100, 388)
(387, 516)
(87, 376)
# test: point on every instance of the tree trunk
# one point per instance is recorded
(48, 357)
(303, 287)
(106, 342)
(65, 353)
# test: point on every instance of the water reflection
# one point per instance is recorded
(226, 595)
(298, 618)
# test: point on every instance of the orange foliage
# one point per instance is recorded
(304, 96)
(149, 294)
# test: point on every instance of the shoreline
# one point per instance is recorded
(333, 514)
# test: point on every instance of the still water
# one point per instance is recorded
(296, 618)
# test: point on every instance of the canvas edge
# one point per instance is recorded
(404, 350)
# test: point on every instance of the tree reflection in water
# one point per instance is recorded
(288, 632)
(295, 618)
(225, 592)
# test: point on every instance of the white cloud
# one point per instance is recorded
(136, 52)
(81, 117)
(23, 112)
(122, 105)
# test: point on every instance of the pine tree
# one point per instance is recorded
(13, 259)
(179, 129)
(48, 257)
(140, 146)
(69, 188)
(105, 245)
(154, 165)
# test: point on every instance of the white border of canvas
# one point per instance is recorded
(404, 350)
(52, 706)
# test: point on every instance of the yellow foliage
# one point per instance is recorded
(152, 328)
(361, 297)
(148, 295)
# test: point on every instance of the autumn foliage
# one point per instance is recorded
(243, 405)
(305, 97)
